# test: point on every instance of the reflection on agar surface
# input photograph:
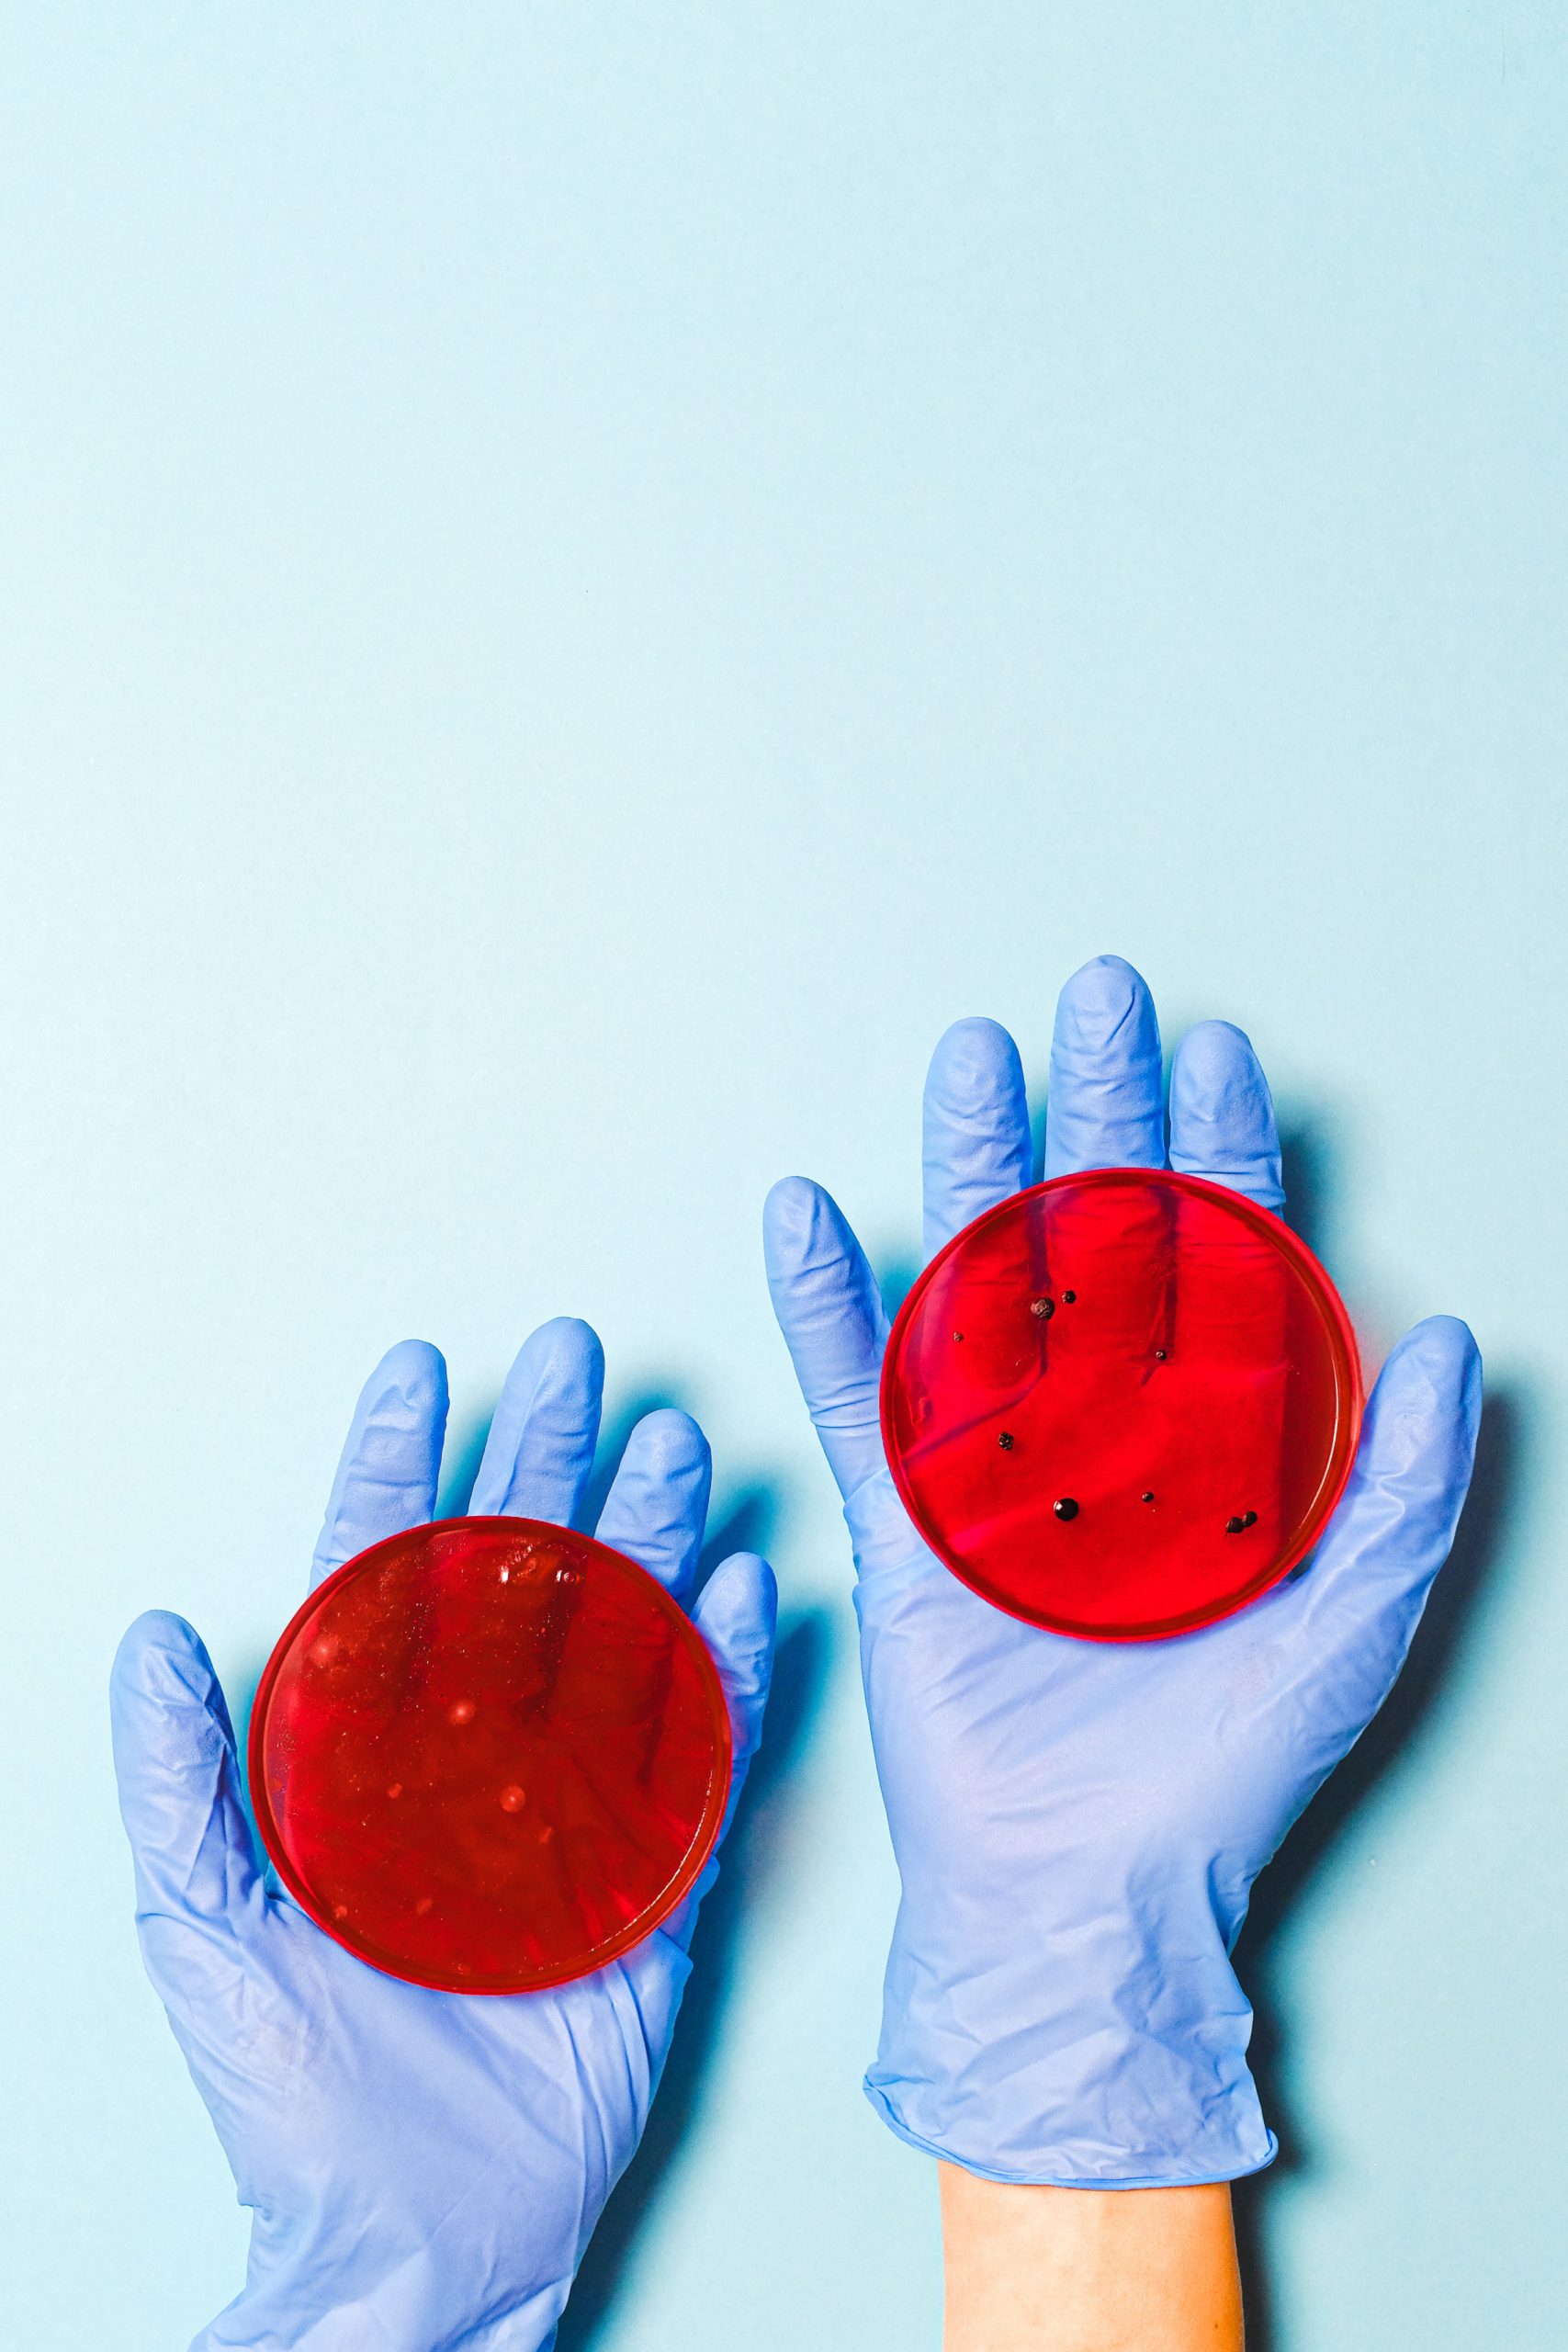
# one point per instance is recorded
(1123, 1403)
(490, 1755)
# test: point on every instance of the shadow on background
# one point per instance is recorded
(1306, 1162)
(799, 1672)
(460, 1459)
(896, 1277)
(745, 1520)
(1306, 1859)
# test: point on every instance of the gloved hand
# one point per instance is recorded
(1078, 1825)
(423, 2168)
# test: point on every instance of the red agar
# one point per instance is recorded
(490, 1755)
(1157, 1447)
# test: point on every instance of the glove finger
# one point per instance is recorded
(1106, 1103)
(831, 1314)
(392, 1458)
(538, 1456)
(736, 1614)
(198, 1889)
(976, 1144)
(1222, 1114)
(656, 1506)
(1362, 1597)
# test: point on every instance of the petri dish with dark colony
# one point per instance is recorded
(1121, 1404)
(490, 1755)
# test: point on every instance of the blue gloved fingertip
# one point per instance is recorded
(415, 1370)
(1101, 997)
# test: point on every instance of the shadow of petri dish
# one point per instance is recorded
(1121, 1404)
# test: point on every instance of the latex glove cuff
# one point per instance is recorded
(1085, 2100)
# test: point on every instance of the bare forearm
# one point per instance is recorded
(1088, 2270)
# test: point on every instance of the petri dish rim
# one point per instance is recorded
(1343, 1349)
(609, 1948)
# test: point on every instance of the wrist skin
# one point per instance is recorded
(1039, 2269)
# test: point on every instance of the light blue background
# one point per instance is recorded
(576, 584)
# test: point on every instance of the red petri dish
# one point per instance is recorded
(490, 1755)
(1121, 1404)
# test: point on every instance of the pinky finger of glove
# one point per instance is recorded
(736, 1614)
(198, 1888)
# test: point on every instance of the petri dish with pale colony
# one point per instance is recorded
(490, 1755)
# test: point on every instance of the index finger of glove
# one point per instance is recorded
(830, 1312)
(391, 1457)
(198, 1887)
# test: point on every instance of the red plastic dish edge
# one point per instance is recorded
(613, 1945)
(1342, 1332)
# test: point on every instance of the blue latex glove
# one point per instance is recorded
(423, 2168)
(1078, 1825)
